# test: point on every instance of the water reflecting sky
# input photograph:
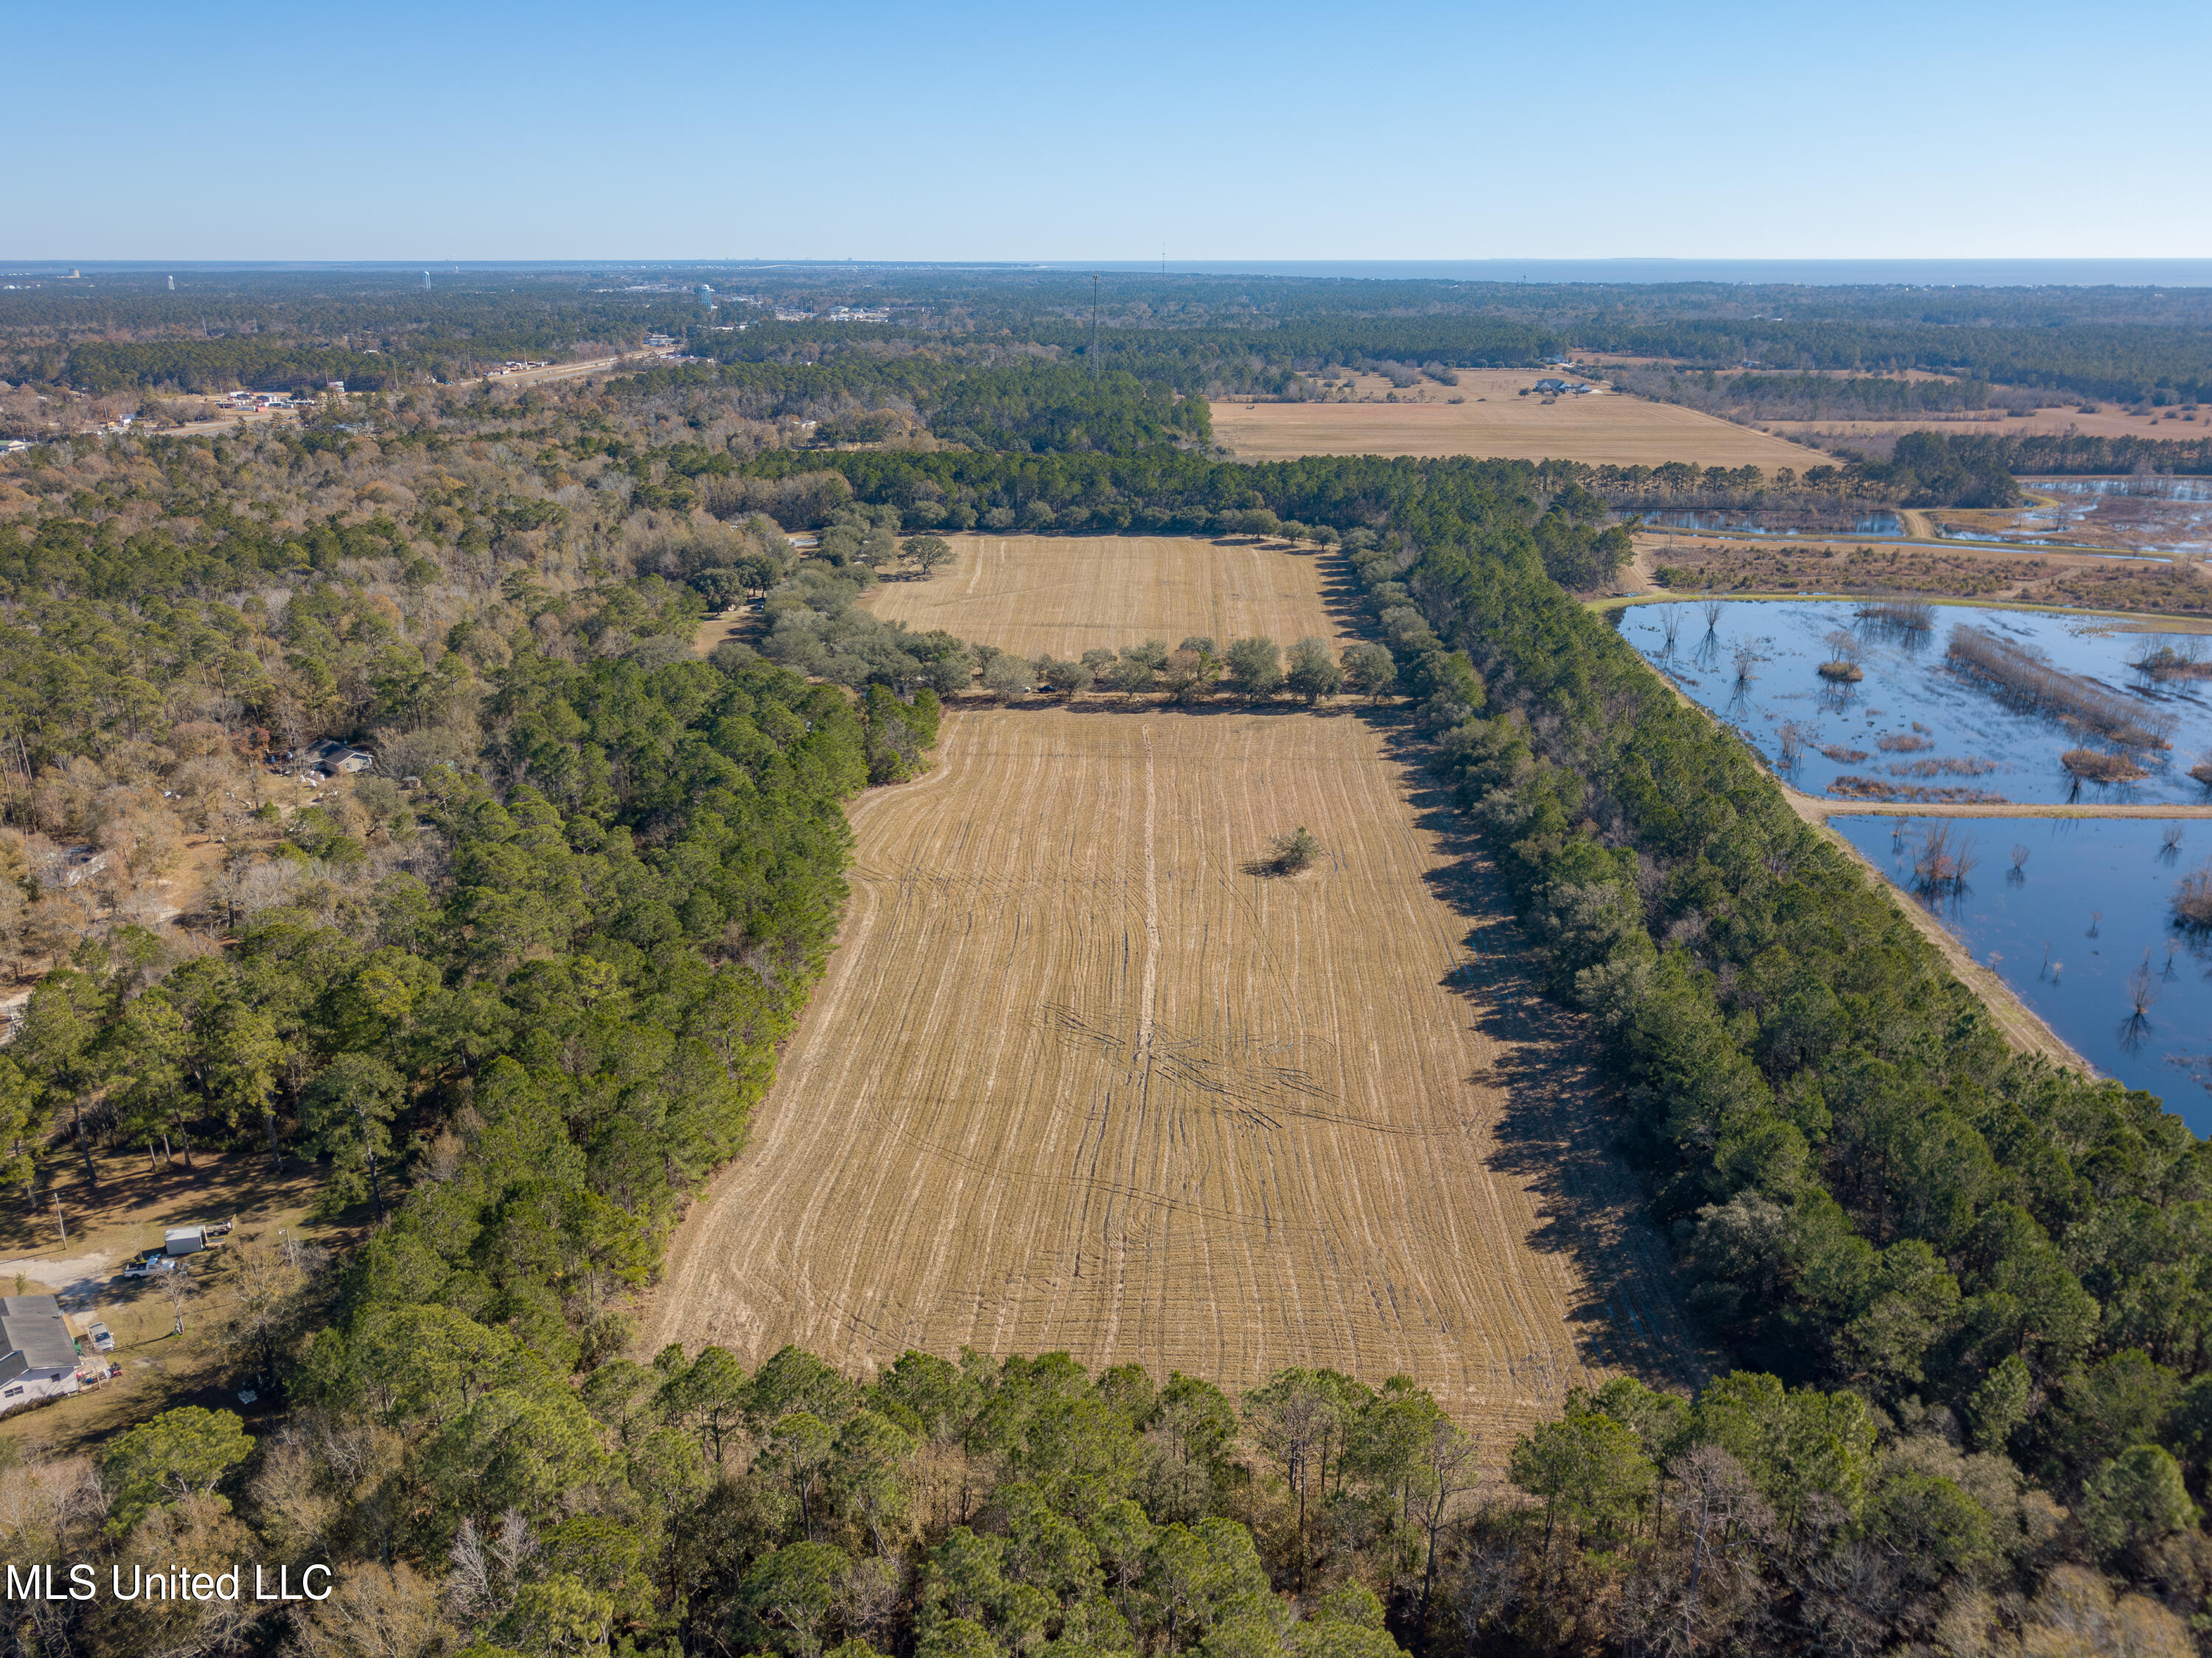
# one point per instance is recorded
(1946, 732)
(2089, 906)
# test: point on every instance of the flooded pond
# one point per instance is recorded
(1917, 727)
(2163, 514)
(1754, 521)
(2075, 915)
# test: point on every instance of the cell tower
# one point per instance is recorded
(1094, 325)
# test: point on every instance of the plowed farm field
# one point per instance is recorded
(1066, 593)
(1080, 1077)
(1495, 422)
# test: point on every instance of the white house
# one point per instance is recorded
(37, 1357)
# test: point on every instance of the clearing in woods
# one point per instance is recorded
(1079, 1078)
(1495, 422)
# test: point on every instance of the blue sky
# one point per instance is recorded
(1290, 130)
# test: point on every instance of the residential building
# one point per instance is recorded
(38, 1357)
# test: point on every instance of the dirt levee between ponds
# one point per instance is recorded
(1078, 1078)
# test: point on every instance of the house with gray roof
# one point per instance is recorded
(38, 1356)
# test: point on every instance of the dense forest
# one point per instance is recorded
(126, 330)
(513, 996)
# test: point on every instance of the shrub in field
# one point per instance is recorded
(2192, 900)
(1288, 854)
(2098, 766)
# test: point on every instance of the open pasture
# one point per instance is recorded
(1494, 421)
(1033, 593)
(2108, 420)
(1080, 1078)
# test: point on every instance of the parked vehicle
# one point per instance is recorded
(150, 1264)
(102, 1339)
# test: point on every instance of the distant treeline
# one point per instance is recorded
(220, 365)
(1030, 404)
(2121, 363)
(1211, 333)
(270, 334)
(2094, 456)
(1810, 396)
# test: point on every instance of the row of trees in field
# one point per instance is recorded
(1256, 669)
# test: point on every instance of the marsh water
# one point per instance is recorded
(2087, 909)
(1759, 521)
(1912, 730)
(2157, 514)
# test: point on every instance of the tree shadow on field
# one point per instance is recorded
(1556, 1121)
(1341, 595)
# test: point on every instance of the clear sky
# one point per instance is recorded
(989, 131)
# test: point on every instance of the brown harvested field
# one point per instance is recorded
(1032, 594)
(1493, 421)
(2111, 420)
(1078, 1078)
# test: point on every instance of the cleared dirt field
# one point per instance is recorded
(1495, 422)
(1079, 1080)
(2111, 420)
(1065, 593)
